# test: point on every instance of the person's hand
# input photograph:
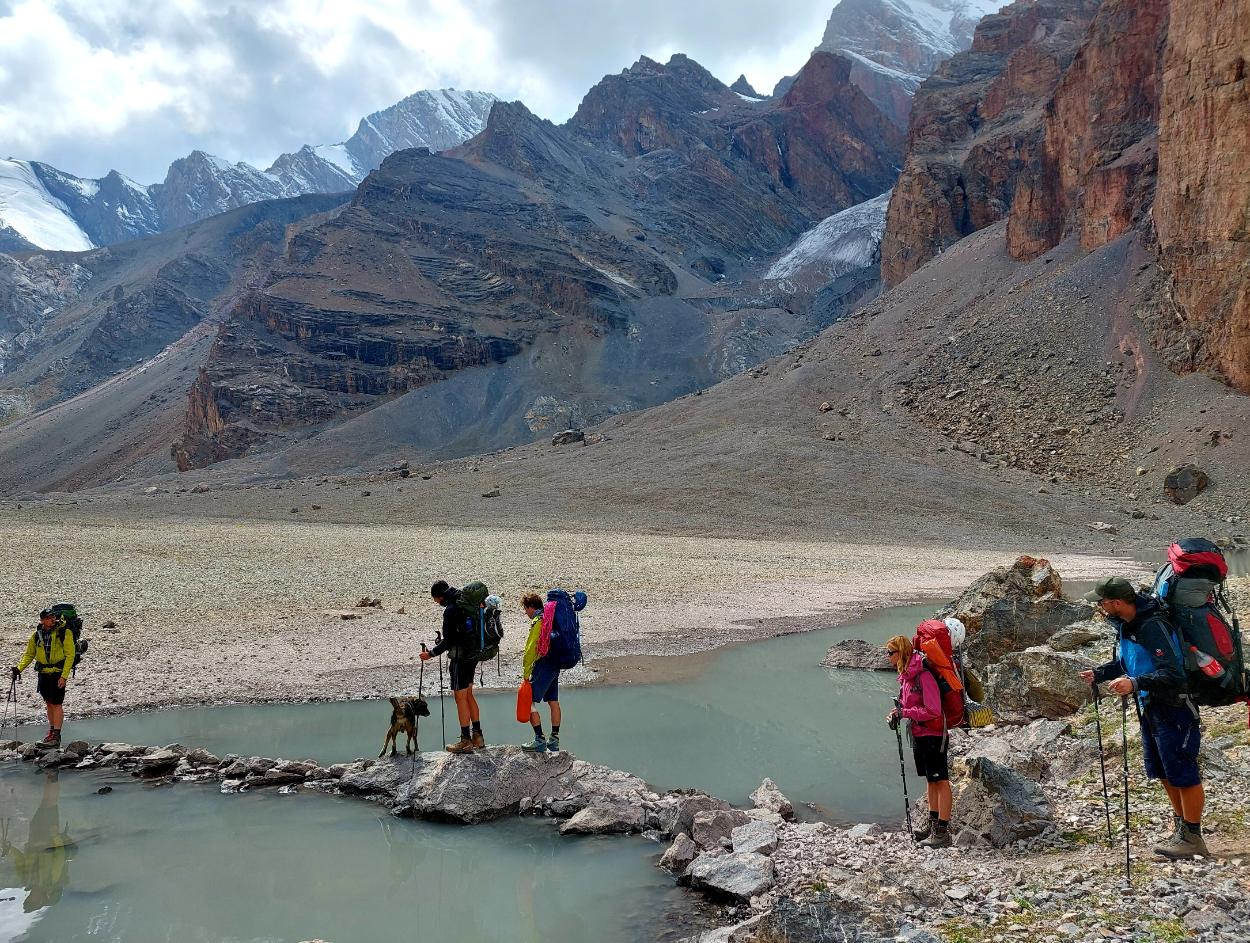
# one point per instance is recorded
(425, 656)
(15, 673)
(1121, 686)
(1087, 677)
(60, 683)
(892, 719)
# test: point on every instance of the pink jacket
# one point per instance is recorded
(921, 699)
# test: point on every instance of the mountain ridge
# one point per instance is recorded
(42, 207)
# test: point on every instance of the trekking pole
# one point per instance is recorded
(1128, 857)
(442, 703)
(902, 769)
(11, 698)
(416, 721)
(1102, 762)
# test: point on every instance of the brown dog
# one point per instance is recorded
(404, 714)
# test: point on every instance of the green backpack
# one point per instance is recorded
(483, 625)
(67, 614)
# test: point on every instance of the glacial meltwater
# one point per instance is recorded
(183, 862)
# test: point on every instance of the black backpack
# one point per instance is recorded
(483, 624)
(1190, 587)
(67, 615)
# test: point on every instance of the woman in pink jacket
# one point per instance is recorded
(920, 702)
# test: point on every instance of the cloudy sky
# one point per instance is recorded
(90, 85)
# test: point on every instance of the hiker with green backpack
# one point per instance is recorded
(52, 649)
(470, 634)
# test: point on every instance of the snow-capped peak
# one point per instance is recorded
(909, 37)
(27, 208)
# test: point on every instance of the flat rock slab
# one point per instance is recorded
(857, 654)
(741, 875)
(477, 787)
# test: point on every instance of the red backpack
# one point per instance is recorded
(933, 641)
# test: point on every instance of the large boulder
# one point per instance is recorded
(1038, 682)
(1080, 635)
(1184, 483)
(741, 875)
(685, 806)
(480, 786)
(1025, 750)
(1000, 805)
(679, 854)
(713, 829)
(158, 763)
(760, 837)
(768, 797)
(584, 784)
(857, 654)
(1013, 608)
(604, 818)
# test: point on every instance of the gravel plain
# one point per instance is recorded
(212, 611)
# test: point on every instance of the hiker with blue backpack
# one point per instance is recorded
(1149, 665)
(554, 645)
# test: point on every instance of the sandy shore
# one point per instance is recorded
(214, 611)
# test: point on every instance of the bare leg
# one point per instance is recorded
(1193, 799)
(462, 705)
(555, 713)
(931, 796)
(1174, 797)
(56, 715)
(474, 713)
(535, 719)
(944, 800)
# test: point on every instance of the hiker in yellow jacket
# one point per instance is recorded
(549, 689)
(51, 648)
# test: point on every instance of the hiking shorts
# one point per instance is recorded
(49, 690)
(1170, 739)
(545, 682)
(460, 673)
(931, 758)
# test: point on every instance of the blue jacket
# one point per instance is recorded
(1147, 650)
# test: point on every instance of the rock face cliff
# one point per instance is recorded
(976, 124)
(1142, 129)
(1202, 209)
(614, 242)
(1094, 171)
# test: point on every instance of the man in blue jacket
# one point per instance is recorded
(1148, 663)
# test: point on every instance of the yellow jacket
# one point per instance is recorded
(58, 658)
(531, 646)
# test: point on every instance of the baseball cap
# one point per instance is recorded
(1116, 587)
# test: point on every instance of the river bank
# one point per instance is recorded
(211, 611)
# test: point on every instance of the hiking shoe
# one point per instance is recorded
(1183, 845)
(53, 739)
(941, 838)
(553, 744)
(479, 742)
(537, 745)
(921, 834)
(463, 745)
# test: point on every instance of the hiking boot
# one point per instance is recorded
(479, 742)
(553, 744)
(1183, 845)
(940, 838)
(537, 745)
(463, 745)
(53, 739)
(925, 831)
(1178, 832)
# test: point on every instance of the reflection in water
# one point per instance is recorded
(42, 865)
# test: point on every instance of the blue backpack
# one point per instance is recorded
(566, 630)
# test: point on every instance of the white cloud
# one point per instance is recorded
(89, 85)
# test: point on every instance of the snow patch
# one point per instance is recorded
(337, 155)
(29, 209)
(749, 98)
(837, 244)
